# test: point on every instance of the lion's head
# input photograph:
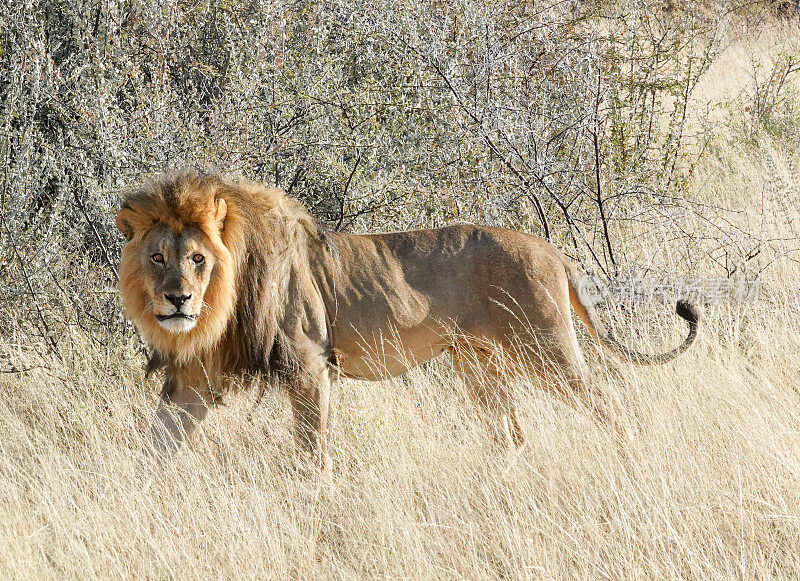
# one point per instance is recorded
(193, 242)
(177, 272)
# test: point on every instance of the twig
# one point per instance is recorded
(596, 143)
(344, 192)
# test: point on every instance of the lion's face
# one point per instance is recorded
(177, 278)
(176, 270)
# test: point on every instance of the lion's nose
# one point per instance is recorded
(177, 300)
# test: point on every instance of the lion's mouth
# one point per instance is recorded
(162, 318)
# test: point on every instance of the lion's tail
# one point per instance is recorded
(590, 318)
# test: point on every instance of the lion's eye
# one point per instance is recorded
(158, 258)
(198, 258)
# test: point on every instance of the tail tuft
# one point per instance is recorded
(688, 312)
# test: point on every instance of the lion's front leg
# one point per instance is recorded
(181, 407)
(310, 399)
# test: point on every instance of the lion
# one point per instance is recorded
(230, 279)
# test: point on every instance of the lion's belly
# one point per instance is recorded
(387, 354)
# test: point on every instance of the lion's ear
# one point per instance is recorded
(222, 212)
(125, 222)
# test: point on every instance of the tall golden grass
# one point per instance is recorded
(706, 483)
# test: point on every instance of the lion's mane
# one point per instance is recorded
(264, 236)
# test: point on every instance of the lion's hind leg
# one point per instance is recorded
(563, 372)
(481, 369)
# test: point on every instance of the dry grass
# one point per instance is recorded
(705, 486)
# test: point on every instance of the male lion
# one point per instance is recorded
(233, 279)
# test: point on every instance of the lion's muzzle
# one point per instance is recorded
(177, 322)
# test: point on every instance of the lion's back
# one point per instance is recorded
(475, 276)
